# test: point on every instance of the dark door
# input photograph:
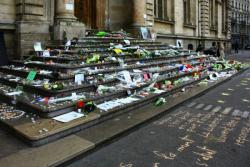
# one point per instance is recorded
(85, 11)
(3, 54)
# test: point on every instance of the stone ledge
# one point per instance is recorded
(49, 155)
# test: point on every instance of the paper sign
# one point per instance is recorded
(127, 42)
(14, 93)
(79, 78)
(129, 92)
(68, 43)
(113, 58)
(121, 62)
(137, 71)
(38, 47)
(145, 76)
(68, 117)
(118, 51)
(150, 75)
(31, 76)
(69, 5)
(127, 76)
(46, 53)
(145, 32)
(74, 96)
(179, 43)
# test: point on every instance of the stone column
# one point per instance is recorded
(204, 17)
(32, 25)
(65, 10)
(65, 21)
(138, 17)
(139, 10)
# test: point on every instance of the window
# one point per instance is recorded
(163, 10)
(213, 9)
(186, 11)
(189, 11)
(224, 15)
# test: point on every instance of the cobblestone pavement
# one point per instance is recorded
(212, 130)
(243, 56)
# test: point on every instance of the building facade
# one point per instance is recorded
(194, 22)
(240, 23)
(24, 22)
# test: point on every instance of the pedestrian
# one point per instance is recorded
(222, 51)
(236, 47)
(218, 49)
(199, 48)
(213, 49)
(190, 47)
(3, 52)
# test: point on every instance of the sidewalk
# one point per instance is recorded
(243, 56)
(207, 131)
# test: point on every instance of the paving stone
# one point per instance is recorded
(50, 154)
(245, 114)
(199, 106)
(191, 104)
(217, 109)
(237, 113)
(208, 107)
(227, 110)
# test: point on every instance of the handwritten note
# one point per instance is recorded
(198, 129)
(229, 127)
(166, 156)
(242, 138)
(204, 154)
(187, 143)
(207, 131)
(125, 165)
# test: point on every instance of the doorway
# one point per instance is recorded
(91, 13)
(3, 54)
(85, 11)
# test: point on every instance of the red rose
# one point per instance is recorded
(80, 104)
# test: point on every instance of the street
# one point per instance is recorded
(243, 56)
(212, 130)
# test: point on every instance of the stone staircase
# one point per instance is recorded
(111, 72)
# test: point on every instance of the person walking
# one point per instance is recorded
(236, 47)
(221, 51)
(199, 48)
(213, 49)
(218, 49)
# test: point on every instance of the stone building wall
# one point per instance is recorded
(7, 23)
(119, 14)
(32, 24)
(27, 21)
(240, 16)
(201, 31)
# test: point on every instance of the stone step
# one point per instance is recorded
(61, 151)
